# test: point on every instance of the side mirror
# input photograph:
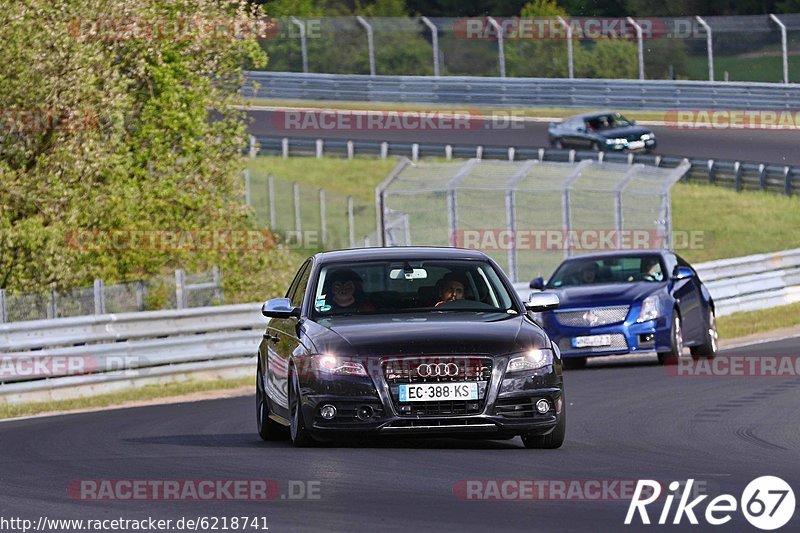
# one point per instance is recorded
(539, 302)
(279, 308)
(537, 283)
(683, 273)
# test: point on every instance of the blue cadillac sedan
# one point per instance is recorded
(629, 302)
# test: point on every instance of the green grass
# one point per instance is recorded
(747, 323)
(147, 392)
(766, 68)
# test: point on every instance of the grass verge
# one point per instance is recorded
(148, 392)
(749, 322)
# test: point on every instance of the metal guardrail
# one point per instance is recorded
(738, 175)
(527, 92)
(746, 283)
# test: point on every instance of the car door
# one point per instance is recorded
(687, 293)
(283, 341)
(574, 136)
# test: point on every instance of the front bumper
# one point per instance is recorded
(632, 146)
(626, 337)
(507, 406)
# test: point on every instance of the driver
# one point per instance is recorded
(589, 273)
(451, 287)
(651, 268)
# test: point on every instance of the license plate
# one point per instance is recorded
(636, 145)
(432, 392)
(592, 341)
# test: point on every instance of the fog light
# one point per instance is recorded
(327, 412)
(364, 412)
(542, 406)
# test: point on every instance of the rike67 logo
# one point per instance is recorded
(767, 503)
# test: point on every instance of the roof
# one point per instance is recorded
(399, 253)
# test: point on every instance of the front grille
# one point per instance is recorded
(618, 344)
(599, 316)
(470, 369)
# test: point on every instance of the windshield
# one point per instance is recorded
(388, 287)
(617, 269)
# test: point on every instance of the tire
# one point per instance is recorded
(710, 345)
(676, 342)
(552, 440)
(297, 426)
(574, 363)
(268, 429)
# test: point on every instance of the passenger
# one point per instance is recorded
(451, 287)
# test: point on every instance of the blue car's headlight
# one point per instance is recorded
(530, 360)
(650, 309)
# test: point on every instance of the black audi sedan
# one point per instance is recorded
(407, 341)
(601, 131)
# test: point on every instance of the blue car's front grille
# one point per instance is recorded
(600, 316)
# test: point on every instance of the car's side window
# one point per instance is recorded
(298, 290)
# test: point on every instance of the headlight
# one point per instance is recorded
(647, 136)
(530, 360)
(330, 364)
(616, 141)
(650, 309)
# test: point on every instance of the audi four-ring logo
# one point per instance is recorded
(437, 370)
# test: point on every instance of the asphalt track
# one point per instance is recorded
(627, 420)
(755, 145)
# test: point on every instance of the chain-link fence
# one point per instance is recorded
(178, 291)
(733, 48)
(528, 215)
(310, 218)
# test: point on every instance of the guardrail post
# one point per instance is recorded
(322, 217)
(247, 187)
(448, 152)
(285, 147)
(319, 148)
(784, 47)
(762, 177)
(572, 156)
(351, 228)
(479, 152)
(297, 221)
(709, 47)
(216, 277)
(350, 150)
(180, 292)
(435, 43)
(501, 53)
(787, 181)
(52, 307)
(271, 198)
(370, 43)
(99, 297)
(630, 158)
(712, 172)
(541, 154)
(571, 64)
(737, 175)
(658, 161)
(253, 148)
(3, 309)
(384, 150)
(511, 153)
(303, 43)
(414, 152)
(640, 46)
(140, 291)
(600, 156)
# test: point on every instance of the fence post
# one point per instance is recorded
(52, 308)
(571, 65)
(216, 277)
(99, 297)
(180, 293)
(253, 150)
(297, 221)
(709, 47)
(351, 229)
(247, 187)
(3, 311)
(370, 43)
(322, 217)
(303, 44)
(435, 43)
(784, 49)
(501, 53)
(640, 46)
(271, 198)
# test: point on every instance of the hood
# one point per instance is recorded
(628, 132)
(605, 294)
(426, 334)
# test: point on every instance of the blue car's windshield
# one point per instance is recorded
(617, 269)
